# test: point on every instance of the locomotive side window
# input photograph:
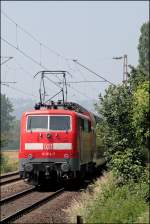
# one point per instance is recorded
(38, 123)
(82, 123)
(59, 123)
(85, 125)
(89, 126)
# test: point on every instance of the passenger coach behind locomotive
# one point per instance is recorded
(58, 141)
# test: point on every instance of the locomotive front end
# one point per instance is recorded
(48, 147)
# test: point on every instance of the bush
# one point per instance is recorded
(127, 164)
(110, 203)
(121, 129)
(140, 119)
(7, 165)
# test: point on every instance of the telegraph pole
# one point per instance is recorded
(125, 66)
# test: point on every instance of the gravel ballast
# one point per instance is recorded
(13, 188)
(52, 211)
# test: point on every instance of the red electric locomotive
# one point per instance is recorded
(58, 142)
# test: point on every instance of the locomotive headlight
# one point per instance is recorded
(28, 167)
(48, 135)
(30, 156)
(65, 167)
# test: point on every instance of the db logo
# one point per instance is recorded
(48, 146)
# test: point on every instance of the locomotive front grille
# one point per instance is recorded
(33, 167)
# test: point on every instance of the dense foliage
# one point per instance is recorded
(124, 108)
(115, 204)
(143, 48)
(9, 125)
(7, 164)
(141, 113)
(6, 110)
(106, 201)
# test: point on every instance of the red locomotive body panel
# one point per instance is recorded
(53, 147)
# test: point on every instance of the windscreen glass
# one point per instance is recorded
(37, 123)
(60, 123)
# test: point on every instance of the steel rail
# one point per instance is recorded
(9, 174)
(9, 180)
(17, 195)
(23, 211)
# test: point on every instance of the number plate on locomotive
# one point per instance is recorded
(47, 146)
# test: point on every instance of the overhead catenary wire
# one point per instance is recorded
(8, 58)
(81, 93)
(33, 37)
(36, 62)
(24, 70)
(39, 42)
(19, 90)
(86, 81)
(22, 52)
(13, 82)
(83, 75)
(41, 45)
(76, 61)
(26, 55)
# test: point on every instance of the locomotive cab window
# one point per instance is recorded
(37, 123)
(60, 123)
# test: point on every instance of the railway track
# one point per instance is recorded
(9, 178)
(15, 196)
(9, 174)
(36, 199)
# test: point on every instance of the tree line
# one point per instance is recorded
(10, 126)
(124, 108)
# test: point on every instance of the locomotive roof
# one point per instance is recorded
(65, 109)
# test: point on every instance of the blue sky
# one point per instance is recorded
(90, 31)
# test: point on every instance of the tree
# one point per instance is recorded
(114, 109)
(143, 48)
(125, 111)
(6, 117)
(140, 118)
(140, 74)
(117, 133)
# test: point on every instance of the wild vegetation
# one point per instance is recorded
(9, 125)
(124, 108)
(122, 196)
(9, 138)
(9, 161)
(108, 202)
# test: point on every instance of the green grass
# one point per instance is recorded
(7, 164)
(110, 203)
(121, 206)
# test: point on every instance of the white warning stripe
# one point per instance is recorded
(34, 146)
(64, 146)
(41, 146)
